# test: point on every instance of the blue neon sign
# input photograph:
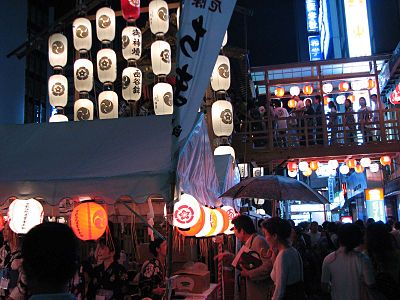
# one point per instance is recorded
(312, 15)
(314, 47)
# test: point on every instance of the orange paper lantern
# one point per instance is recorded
(292, 166)
(371, 84)
(344, 86)
(351, 163)
(192, 231)
(279, 92)
(352, 98)
(307, 89)
(385, 160)
(314, 165)
(307, 172)
(226, 219)
(89, 221)
(292, 103)
(359, 168)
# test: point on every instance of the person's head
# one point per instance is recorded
(243, 227)
(308, 102)
(349, 236)
(332, 227)
(314, 227)
(362, 102)
(378, 240)
(277, 231)
(360, 224)
(105, 250)
(348, 104)
(292, 223)
(390, 222)
(50, 257)
(158, 247)
(370, 221)
(374, 97)
(317, 100)
(332, 105)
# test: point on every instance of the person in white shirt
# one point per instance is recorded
(281, 115)
(314, 234)
(346, 271)
(287, 271)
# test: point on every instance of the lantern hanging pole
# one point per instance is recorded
(142, 219)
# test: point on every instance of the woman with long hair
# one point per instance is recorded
(332, 121)
(349, 122)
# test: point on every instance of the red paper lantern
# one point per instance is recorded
(385, 160)
(292, 166)
(314, 165)
(279, 92)
(292, 103)
(192, 231)
(89, 221)
(359, 168)
(130, 9)
(307, 89)
(371, 84)
(344, 86)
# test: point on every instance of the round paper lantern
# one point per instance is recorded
(279, 91)
(207, 222)
(307, 89)
(303, 165)
(231, 215)
(83, 75)
(344, 86)
(217, 223)
(23, 215)
(131, 43)
(226, 220)
(371, 84)
(161, 58)
(225, 40)
(294, 90)
(327, 88)
(163, 99)
(158, 16)
(108, 105)
(292, 173)
(340, 99)
(222, 118)
(82, 33)
(333, 164)
(292, 103)
(131, 84)
(89, 221)
(351, 163)
(221, 74)
(105, 24)
(352, 98)
(225, 150)
(359, 169)
(374, 168)
(58, 118)
(385, 160)
(192, 231)
(58, 90)
(187, 212)
(314, 165)
(83, 110)
(292, 166)
(58, 50)
(307, 172)
(365, 162)
(130, 9)
(106, 65)
(344, 169)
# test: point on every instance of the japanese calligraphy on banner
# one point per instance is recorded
(314, 47)
(202, 28)
(312, 15)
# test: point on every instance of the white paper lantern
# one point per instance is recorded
(23, 215)
(207, 223)
(105, 24)
(57, 118)
(58, 50)
(365, 162)
(221, 77)
(374, 167)
(225, 150)
(222, 118)
(158, 16)
(292, 174)
(163, 99)
(225, 40)
(83, 110)
(344, 169)
(131, 84)
(340, 99)
(294, 90)
(108, 105)
(161, 58)
(327, 88)
(58, 90)
(303, 165)
(186, 212)
(82, 34)
(83, 75)
(131, 43)
(333, 164)
(232, 214)
(106, 65)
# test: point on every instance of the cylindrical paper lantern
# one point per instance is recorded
(351, 163)
(226, 220)
(192, 231)
(158, 16)
(207, 222)
(307, 172)
(307, 89)
(82, 33)
(365, 162)
(294, 91)
(83, 75)
(58, 50)
(303, 165)
(130, 9)
(279, 92)
(23, 215)
(371, 84)
(344, 169)
(222, 118)
(327, 88)
(217, 223)
(385, 160)
(231, 215)
(131, 84)
(340, 99)
(225, 150)
(344, 86)
(106, 65)
(163, 99)
(187, 212)
(292, 103)
(221, 74)
(352, 98)
(314, 165)
(292, 173)
(108, 105)
(83, 110)
(161, 58)
(58, 90)
(333, 164)
(131, 43)
(374, 167)
(292, 166)
(89, 221)
(359, 169)
(105, 24)
(58, 118)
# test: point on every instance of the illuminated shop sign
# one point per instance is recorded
(314, 47)
(375, 204)
(312, 15)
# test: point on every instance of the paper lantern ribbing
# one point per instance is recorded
(279, 91)
(106, 65)
(192, 231)
(131, 84)
(163, 99)
(385, 160)
(89, 221)
(131, 43)
(308, 89)
(344, 86)
(58, 90)
(82, 33)
(105, 24)
(57, 118)
(24, 215)
(221, 74)
(130, 9)
(83, 110)
(58, 50)
(294, 90)
(225, 150)
(83, 75)
(187, 212)
(327, 88)
(292, 103)
(108, 105)
(222, 118)
(161, 58)
(158, 16)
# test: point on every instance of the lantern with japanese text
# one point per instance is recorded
(83, 110)
(58, 90)
(108, 105)
(308, 89)
(130, 10)
(344, 86)
(106, 65)
(82, 33)
(292, 103)
(344, 169)
(351, 163)
(187, 212)
(105, 24)
(222, 118)
(161, 58)
(58, 50)
(279, 91)
(195, 229)
(83, 75)
(231, 215)
(292, 166)
(221, 74)
(158, 16)
(371, 84)
(225, 150)
(89, 221)
(385, 160)
(359, 169)
(327, 88)
(131, 84)
(314, 165)
(163, 99)
(131, 43)
(294, 90)
(57, 118)
(365, 162)
(23, 215)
